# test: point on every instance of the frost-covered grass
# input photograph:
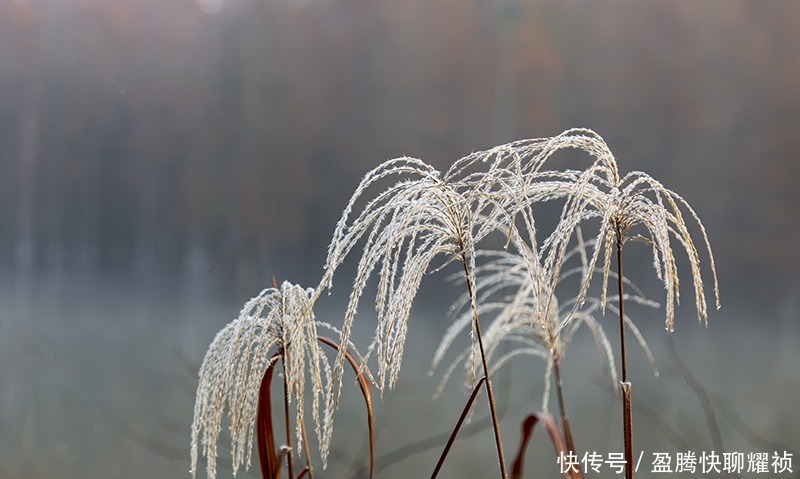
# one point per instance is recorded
(96, 387)
(525, 288)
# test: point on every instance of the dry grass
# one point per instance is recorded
(532, 321)
(231, 373)
(537, 288)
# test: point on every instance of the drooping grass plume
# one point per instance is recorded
(518, 176)
(404, 228)
(233, 368)
(526, 314)
(426, 215)
(622, 204)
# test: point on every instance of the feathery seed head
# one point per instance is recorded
(271, 324)
(526, 314)
(427, 213)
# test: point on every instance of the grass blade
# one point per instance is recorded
(460, 422)
(304, 472)
(284, 452)
(527, 431)
(264, 429)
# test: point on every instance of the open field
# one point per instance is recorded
(98, 382)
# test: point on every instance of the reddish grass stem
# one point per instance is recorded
(489, 391)
(460, 422)
(266, 440)
(363, 383)
(555, 439)
(570, 442)
(621, 306)
(627, 416)
(308, 468)
(269, 458)
(289, 454)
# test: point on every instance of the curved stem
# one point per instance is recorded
(363, 383)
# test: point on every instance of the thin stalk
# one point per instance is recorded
(308, 468)
(289, 454)
(363, 383)
(285, 359)
(627, 416)
(570, 442)
(559, 394)
(621, 305)
(453, 435)
(489, 391)
(266, 440)
(562, 410)
(627, 425)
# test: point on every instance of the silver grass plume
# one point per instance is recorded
(235, 363)
(521, 178)
(424, 214)
(403, 229)
(427, 213)
(527, 315)
(621, 204)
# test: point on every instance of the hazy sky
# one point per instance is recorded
(149, 140)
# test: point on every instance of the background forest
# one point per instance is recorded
(160, 161)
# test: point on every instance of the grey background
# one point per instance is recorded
(161, 161)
